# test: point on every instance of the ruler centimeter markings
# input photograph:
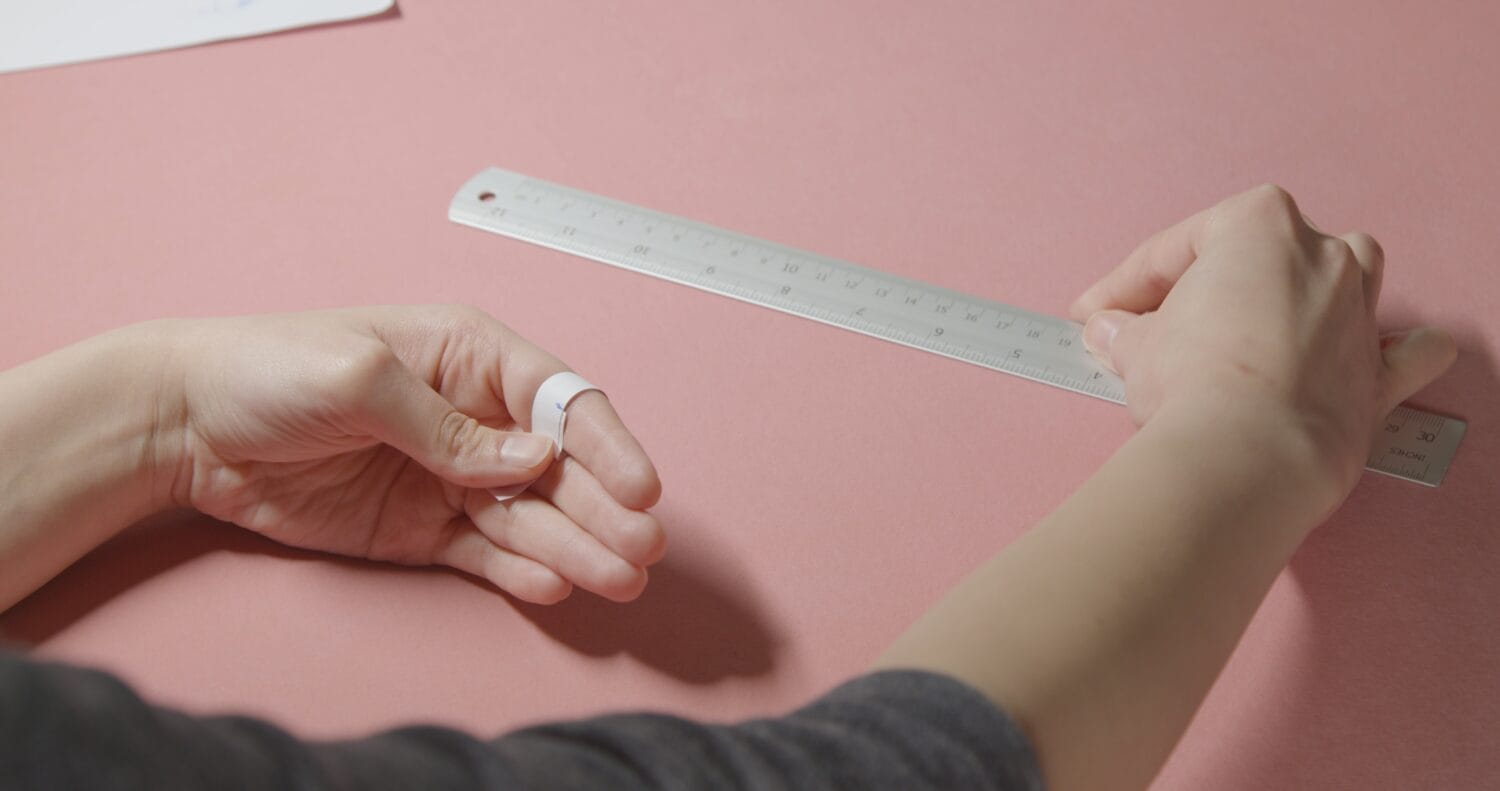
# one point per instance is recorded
(1413, 445)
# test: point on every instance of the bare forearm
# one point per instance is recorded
(77, 428)
(1102, 629)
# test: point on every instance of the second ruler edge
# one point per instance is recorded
(1414, 445)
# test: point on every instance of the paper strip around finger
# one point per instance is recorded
(549, 417)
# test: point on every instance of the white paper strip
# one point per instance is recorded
(36, 33)
(549, 417)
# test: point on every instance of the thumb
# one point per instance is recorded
(402, 411)
(1412, 360)
(1101, 336)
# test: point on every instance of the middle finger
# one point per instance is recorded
(531, 526)
(634, 535)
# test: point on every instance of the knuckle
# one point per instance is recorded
(469, 314)
(358, 371)
(1337, 252)
(1265, 208)
(458, 435)
(1368, 244)
(463, 319)
(1339, 258)
(472, 323)
(1272, 197)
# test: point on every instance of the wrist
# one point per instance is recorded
(87, 437)
(149, 356)
(1258, 449)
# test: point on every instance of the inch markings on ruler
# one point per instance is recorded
(1415, 445)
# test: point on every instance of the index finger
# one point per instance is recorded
(490, 372)
(1140, 282)
(594, 434)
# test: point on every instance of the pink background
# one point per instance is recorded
(822, 488)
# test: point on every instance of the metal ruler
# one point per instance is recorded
(1414, 445)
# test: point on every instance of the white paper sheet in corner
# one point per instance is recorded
(36, 33)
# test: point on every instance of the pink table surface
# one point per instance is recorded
(821, 488)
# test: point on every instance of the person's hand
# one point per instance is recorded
(1246, 314)
(375, 433)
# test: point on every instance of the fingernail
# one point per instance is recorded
(525, 450)
(1420, 341)
(1099, 333)
(1387, 341)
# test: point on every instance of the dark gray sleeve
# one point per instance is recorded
(64, 727)
(904, 730)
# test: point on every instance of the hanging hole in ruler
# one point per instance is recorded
(486, 196)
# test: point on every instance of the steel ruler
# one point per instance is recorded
(1414, 445)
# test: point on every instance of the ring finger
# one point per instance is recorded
(534, 528)
(635, 536)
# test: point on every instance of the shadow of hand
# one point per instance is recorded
(692, 623)
(689, 624)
